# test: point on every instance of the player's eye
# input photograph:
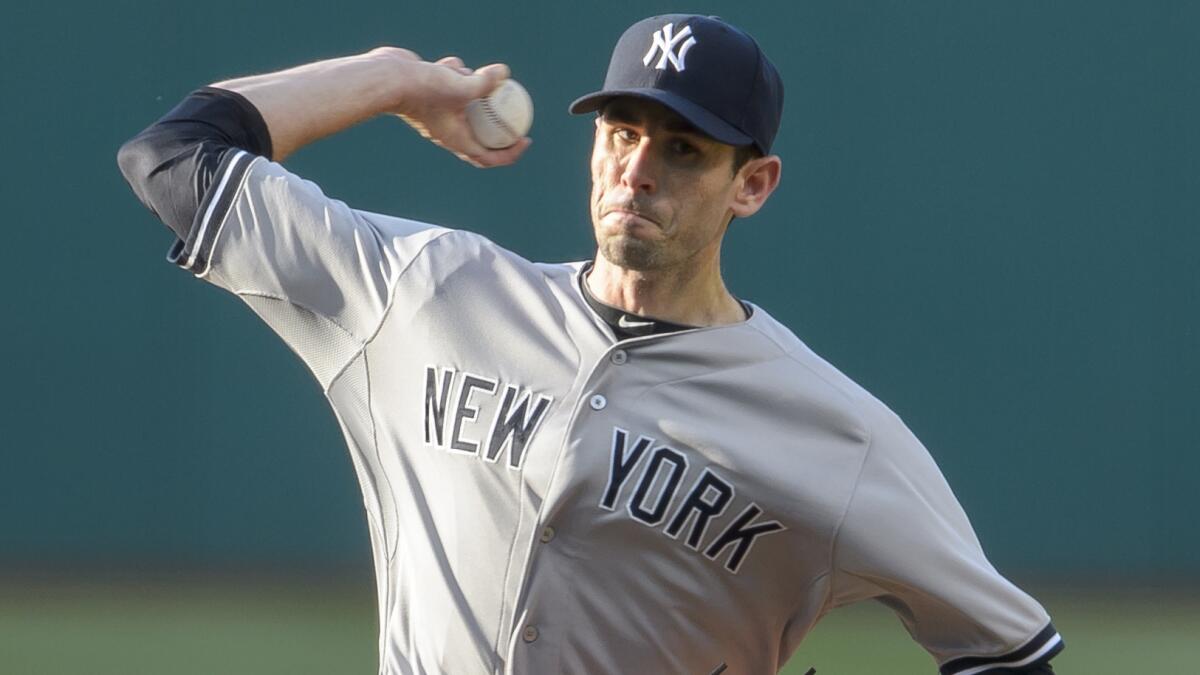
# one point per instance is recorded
(683, 148)
(626, 135)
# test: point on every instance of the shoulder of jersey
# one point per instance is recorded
(801, 364)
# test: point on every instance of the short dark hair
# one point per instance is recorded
(743, 154)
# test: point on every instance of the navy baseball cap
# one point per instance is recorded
(709, 72)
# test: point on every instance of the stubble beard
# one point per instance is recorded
(629, 252)
(632, 254)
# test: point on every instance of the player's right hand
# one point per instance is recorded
(435, 104)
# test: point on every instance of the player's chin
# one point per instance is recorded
(631, 253)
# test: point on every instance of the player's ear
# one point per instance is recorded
(754, 182)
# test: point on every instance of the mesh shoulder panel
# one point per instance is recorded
(324, 346)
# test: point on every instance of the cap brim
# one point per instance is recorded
(708, 123)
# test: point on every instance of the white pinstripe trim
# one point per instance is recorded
(1050, 644)
(212, 204)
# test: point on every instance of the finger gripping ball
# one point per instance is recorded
(503, 118)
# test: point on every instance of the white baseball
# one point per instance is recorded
(503, 118)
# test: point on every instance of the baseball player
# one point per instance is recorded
(609, 466)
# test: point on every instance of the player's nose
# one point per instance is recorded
(639, 171)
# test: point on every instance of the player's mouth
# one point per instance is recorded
(627, 217)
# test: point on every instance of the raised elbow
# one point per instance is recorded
(171, 163)
(161, 165)
(136, 160)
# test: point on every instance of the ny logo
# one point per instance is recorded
(666, 40)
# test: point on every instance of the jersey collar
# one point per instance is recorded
(625, 325)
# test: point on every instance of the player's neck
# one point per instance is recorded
(693, 297)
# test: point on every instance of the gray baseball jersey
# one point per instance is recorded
(543, 498)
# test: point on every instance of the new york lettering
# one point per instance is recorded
(453, 401)
(703, 505)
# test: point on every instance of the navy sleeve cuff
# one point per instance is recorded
(173, 163)
(232, 114)
(1029, 659)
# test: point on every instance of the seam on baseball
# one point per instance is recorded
(497, 120)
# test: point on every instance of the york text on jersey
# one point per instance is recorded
(663, 471)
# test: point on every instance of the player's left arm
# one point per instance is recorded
(906, 542)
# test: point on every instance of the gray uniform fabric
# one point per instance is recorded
(544, 499)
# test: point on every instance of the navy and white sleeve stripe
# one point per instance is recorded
(1044, 646)
(195, 253)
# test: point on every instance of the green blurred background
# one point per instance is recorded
(988, 218)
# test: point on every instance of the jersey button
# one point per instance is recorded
(619, 357)
(598, 402)
(547, 535)
(530, 634)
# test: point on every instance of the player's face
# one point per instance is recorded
(661, 190)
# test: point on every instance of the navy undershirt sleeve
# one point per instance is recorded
(170, 165)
